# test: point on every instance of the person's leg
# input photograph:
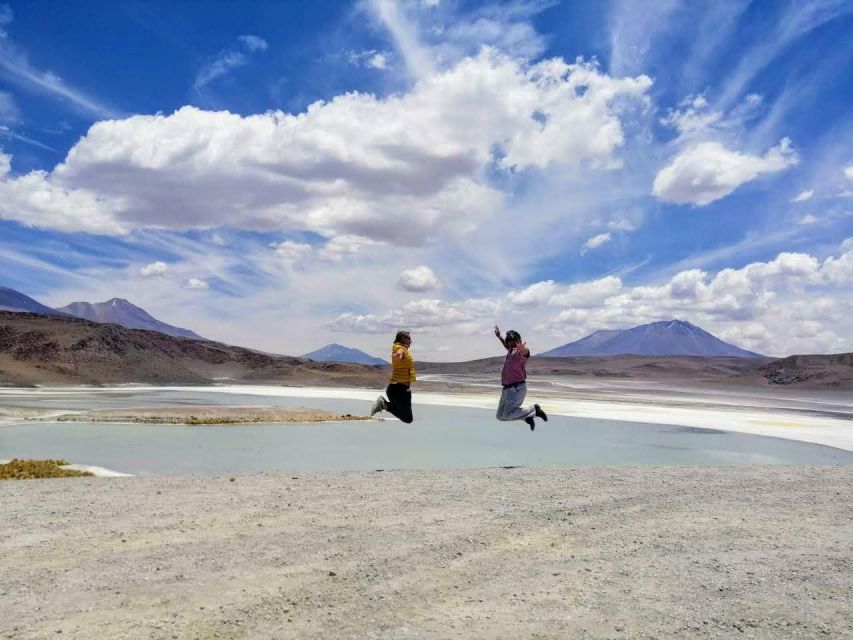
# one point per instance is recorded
(513, 409)
(501, 406)
(400, 402)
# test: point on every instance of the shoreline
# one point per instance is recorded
(770, 422)
(724, 410)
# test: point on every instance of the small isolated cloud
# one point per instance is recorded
(154, 270)
(693, 116)
(297, 254)
(378, 61)
(808, 219)
(229, 60)
(708, 171)
(595, 242)
(195, 283)
(370, 58)
(848, 171)
(418, 279)
(803, 196)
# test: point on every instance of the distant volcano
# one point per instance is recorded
(665, 338)
(340, 353)
(121, 312)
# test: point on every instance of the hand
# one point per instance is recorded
(497, 331)
(520, 346)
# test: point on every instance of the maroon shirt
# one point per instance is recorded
(515, 368)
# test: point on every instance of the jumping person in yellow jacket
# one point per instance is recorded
(399, 392)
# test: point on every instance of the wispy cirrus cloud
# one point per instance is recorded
(8, 109)
(228, 60)
(15, 66)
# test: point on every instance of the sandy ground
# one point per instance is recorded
(750, 552)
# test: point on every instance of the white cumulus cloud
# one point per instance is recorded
(418, 279)
(595, 242)
(348, 166)
(36, 200)
(708, 171)
(195, 283)
(587, 294)
(154, 269)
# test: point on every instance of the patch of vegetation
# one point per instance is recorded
(29, 469)
(208, 420)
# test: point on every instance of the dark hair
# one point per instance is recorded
(401, 335)
(513, 335)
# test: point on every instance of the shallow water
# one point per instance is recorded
(441, 437)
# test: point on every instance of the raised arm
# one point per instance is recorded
(498, 335)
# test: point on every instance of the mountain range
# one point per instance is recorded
(37, 348)
(664, 338)
(59, 349)
(120, 311)
(115, 311)
(339, 353)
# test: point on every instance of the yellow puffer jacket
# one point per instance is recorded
(402, 370)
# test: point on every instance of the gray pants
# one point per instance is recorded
(509, 408)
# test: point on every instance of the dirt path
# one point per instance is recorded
(751, 552)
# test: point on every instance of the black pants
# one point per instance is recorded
(400, 401)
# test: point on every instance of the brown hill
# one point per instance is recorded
(653, 367)
(834, 370)
(38, 349)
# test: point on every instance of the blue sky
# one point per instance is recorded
(283, 175)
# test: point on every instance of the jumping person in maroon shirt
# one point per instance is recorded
(514, 381)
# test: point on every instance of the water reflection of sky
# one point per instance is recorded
(441, 437)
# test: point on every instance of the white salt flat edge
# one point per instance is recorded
(727, 416)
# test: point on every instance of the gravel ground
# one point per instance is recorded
(748, 552)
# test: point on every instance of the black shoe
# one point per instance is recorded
(531, 422)
(540, 413)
